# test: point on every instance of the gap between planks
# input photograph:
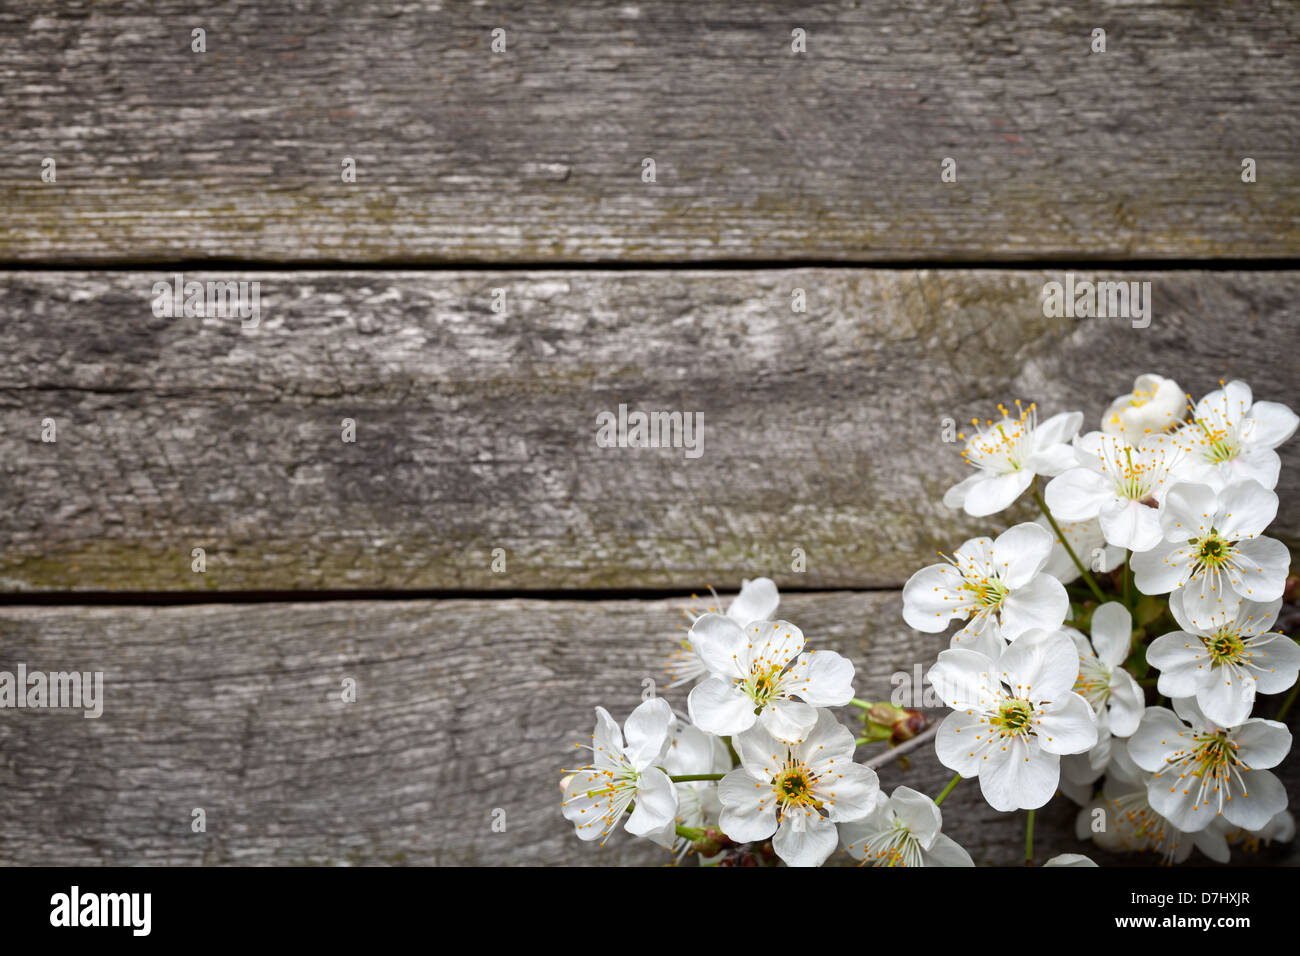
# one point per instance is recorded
(183, 598)
(1005, 264)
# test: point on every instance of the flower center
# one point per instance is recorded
(1000, 446)
(1015, 718)
(1212, 551)
(1219, 446)
(1225, 647)
(1213, 756)
(794, 786)
(987, 592)
(763, 685)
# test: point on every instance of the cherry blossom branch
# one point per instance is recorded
(903, 749)
(688, 777)
(1038, 496)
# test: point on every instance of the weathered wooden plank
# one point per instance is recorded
(462, 707)
(535, 155)
(477, 431)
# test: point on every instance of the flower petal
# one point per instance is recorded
(720, 644)
(918, 813)
(1077, 494)
(946, 852)
(656, 803)
(1040, 665)
(964, 679)
(1020, 552)
(1112, 633)
(1162, 569)
(930, 598)
(1261, 743)
(788, 720)
(826, 679)
(1019, 776)
(1126, 704)
(646, 731)
(1160, 733)
(1245, 509)
(1041, 603)
(1262, 568)
(804, 838)
(748, 807)
(993, 493)
(1264, 798)
(757, 601)
(719, 707)
(1270, 424)
(1067, 726)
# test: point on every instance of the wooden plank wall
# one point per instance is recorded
(475, 428)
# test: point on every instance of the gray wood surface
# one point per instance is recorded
(463, 707)
(535, 155)
(475, 431)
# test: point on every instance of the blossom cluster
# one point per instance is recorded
(1152, 526)
(1147, 573)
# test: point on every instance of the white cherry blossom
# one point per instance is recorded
(1227, 663)
(996, 585)
(757, 671)
(796, 792)
(623, 770)
(1013, 719)
(1129, 824)
(903, 830)
(1214, 549)
(1232, 437)
(1202, 769)
(1155, 405)
(1119, 485)
(1008, 453)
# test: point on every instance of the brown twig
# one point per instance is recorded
(903, 749)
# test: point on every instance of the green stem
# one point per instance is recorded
(1128, 580)
(948, 789)
(735, 757)
(1286, 704)
(860, 703)
(690, 833)
(1092, 585)
(688, 777)
(1029, 840)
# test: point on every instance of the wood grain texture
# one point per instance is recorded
(535, 155)
(476, 431)
(463, 706)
